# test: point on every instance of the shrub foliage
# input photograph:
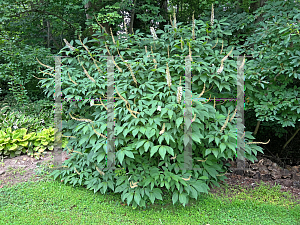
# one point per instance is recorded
(149, 115)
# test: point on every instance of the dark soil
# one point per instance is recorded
(24, 168)
(246, 183)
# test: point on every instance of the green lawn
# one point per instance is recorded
(52, 202)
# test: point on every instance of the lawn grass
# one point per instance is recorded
(52, 202)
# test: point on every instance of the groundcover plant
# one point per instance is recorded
(149, 105)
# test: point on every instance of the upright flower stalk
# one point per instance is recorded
(181, 42)
(190, 51)
(174, 15)
(222, 66)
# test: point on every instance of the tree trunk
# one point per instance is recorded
(48, 33)
(87, 6)
(132, 19)
(90, 17)
(164, 13)
(255, 6)
(238, 8)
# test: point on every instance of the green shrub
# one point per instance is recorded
(149, 143)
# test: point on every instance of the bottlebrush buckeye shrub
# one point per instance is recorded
(149, 115)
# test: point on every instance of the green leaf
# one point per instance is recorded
(154, 150)
(137, 198)
(163, 111)
(125, 132)
(93, 140)
(200, 186)
(222, 147)
(120, 155)
(100, 157)
(162, 151)
(157, 193)
(84, 40)
(135, 131)
(196, 137)
(142, 130)
(186, 139)
(118, 130)
(217, 140)
(211, 171)
(170, 150)
(193, 192)
(139, 143)
(152, 133)
(175, 197)
(129, 198)
(215, 152)
(182, 198)
(83, 139)
(146, 146)
(170, 113)
(129, 154)
(85, 129)
(179, 121)
(231, 146)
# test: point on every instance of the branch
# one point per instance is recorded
(256, 128)
(290, 139)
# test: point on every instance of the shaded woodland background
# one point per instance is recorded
(36, 29)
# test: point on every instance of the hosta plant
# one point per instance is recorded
(17, 142)
(149, 109)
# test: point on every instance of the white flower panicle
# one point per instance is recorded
(153, 33)
(221, 68)
(174, 15)
(179, 94)
(125, 26)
